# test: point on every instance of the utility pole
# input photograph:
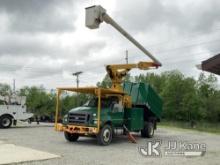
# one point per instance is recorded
(77, 84)
(126, 56)
(13, 85)
(77, 77)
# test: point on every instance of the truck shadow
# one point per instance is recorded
(30, 126)
(122, 139)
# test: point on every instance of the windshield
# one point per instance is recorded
(105, 102)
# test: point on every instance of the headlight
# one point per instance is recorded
(65, 118)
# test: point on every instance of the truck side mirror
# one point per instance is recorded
(81, 103)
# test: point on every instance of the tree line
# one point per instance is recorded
(184, 98)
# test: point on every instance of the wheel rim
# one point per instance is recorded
(6, 122)
(106, 135)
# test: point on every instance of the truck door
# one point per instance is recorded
(117, 114)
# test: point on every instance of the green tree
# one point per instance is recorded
(105, 83)
(184, 98)
(209, 97)
(5, 89)
(38, 100)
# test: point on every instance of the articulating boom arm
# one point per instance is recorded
(118, 71)
(97, 14)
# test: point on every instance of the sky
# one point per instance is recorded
(42, 42)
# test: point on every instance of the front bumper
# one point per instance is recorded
(76, 129)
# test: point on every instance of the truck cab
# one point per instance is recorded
(111, 110)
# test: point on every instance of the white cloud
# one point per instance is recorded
(43, 42)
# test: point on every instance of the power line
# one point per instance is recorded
(88, 78)
(35, 69)
(38, 69)
(186, 39)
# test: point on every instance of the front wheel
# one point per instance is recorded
(71, 137)
(148, 130)
(5, 121)
(105, 135)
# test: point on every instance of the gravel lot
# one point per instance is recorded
(121, 151)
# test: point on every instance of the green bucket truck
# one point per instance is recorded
(134, 107)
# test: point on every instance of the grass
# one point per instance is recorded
(200, 126)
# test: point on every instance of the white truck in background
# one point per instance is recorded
(13, 108)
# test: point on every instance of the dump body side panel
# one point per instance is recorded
(144, 94)
(134, 119)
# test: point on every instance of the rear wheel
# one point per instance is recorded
(148, 130)
(105, 135)
(5, 121)
(71, 137)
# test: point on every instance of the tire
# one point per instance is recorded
(104, 136)
(71, 137)
(5, 121)
(148, 130)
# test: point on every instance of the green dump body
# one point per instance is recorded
(144, 94)
(135, 119)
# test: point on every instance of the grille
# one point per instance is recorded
(78, 118)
